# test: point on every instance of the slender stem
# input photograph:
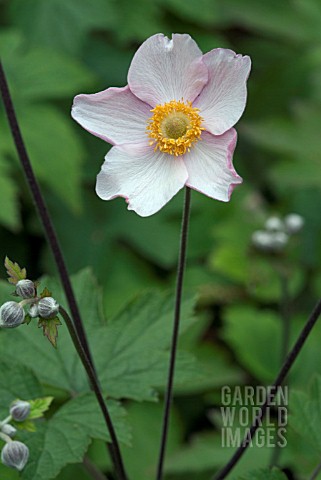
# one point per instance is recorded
(42, 210)
(114, 446)
(316, 472)
(5, 437)
(5, 421)
(289, 361)
(179, 289)
(79, 334)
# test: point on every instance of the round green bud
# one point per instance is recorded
(8, 429)
(15, 455)
(12, 315)
(25, 289)
(48, 307)
(20, 410)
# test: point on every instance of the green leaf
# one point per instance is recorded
(8, 473)
(55, 151)
(45, 293)
(287, 20)
(32, 77)
(139, 23)
(39, 406)
(130, 352)
(50, 329)
(16, 381)
(202, 12)
(204, 453)
(264, 474)
(14, 271)
(297, 144)
(146, 420)
(251, 335)
(67, 435)
(305, 414)
(58, 24)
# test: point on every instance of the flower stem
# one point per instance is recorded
(5, 437)
(316, 472)
(42, 210)
(288, 363)
(113, 446)
(78, 331)
(179, 289)
(5, 421)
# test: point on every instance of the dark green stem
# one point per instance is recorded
(316, 472)
(114, 446)
(287, 365)
(42, 210)
(178, 300)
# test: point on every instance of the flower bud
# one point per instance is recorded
(25, 289)
(15, 455)
(279, 241)
(48, 307)
(20, 410)
(262, 240)
(33, 311)
(8, 429)
(293, 223)
(12, 315)
(274, 224)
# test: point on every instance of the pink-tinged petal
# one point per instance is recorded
(222, 100)
(210, 168)
(163, 70)
(115, 115)
(147, 179)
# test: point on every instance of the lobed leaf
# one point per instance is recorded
(14, 271)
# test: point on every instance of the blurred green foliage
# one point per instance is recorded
(55, 49)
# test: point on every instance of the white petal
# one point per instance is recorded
(209, 165)
(147, 179)
(163, 70)
(115, 115)
(222, 100)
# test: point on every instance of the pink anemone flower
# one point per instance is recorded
(171, 125)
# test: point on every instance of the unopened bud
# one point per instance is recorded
(15, 455)
(293, 223)
(12, 315)
(33, 311)
(262, 240)
(8, 429)
(274, 224)
(25, 289)
(48, 307)
(269, 241)
(20, 410)
(279, 241)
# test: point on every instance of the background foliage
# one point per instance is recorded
(55, 49)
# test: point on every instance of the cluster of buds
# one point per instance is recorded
(14, 454)
(277, 232)
(12, 314)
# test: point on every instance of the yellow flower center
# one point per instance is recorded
(174, 127)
